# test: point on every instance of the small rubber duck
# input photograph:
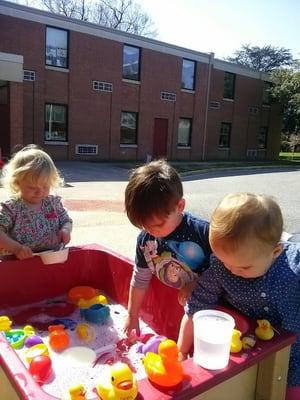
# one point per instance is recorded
(164, 368)
(87, 303)
(5, 323)
(120, 384)
(264, 331)
(76, 392)
(248, 341)
(236, 343)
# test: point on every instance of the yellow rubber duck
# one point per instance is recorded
(264, 331)
(76, 392)
(87, 303)
(163, 368)
(119, 385)
(236, 343)
(5, 323)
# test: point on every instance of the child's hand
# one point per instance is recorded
(23, 252)
(185, 292)
(130, 324)
(64, 235)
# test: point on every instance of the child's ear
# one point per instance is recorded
(181, 205)
(277, 250)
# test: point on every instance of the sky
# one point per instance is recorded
(223, 26)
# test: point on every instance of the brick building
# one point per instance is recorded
(82, 91)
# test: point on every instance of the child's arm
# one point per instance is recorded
(14, 247)
(65, 232)
(136, 296)
(185, 292)
(186, 336)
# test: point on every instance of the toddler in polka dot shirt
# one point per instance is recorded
(251, 269)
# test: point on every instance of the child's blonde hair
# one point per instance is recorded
(242, 216)
(30, 163)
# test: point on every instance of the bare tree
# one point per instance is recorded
(125, 15)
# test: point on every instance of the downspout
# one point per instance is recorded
(210, 65)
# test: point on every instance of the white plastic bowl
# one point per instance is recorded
(54, 257)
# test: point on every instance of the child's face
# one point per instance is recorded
(34, 192)
(163, 226)
(250, 259)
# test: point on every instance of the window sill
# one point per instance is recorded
(229, 100)
(183, 147)
(131, 81)
(129, 145)
(266, 105)
(60, 69)
(56, 143)
(224, 148)
(191, 91)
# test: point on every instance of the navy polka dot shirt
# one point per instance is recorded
(274, 296)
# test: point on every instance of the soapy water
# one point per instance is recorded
(212, 338)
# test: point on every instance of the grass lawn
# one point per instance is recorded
(290, 157)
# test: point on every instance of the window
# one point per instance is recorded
(128, 127)
(131, 63)
(229, 85)
(56, 123)
(188, 74)
(266, 93)
(56, 47)
(102, 86)
(168, 96)
(224, 141)
(262, 137)
(28, 75)
(184, 132)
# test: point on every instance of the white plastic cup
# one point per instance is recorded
(212, 338)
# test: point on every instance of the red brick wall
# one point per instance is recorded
(94, 116)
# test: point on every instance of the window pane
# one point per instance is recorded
(128, 128)
(56, 122)
(188, 74)
(184, 132)
(131, 61)
(225, 132)
(262, 137)
(57, 47)
(266, 92)
(229, 85)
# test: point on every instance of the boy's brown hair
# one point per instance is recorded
(242, 216)
(154, 189)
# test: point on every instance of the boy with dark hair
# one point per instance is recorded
(173, 245)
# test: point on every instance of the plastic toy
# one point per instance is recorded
(236, 343)
(5, 323)
(40, 368)
(58, 339)
(36, 350)
(151, 345)
(98, 313)
(87, 303)
(15, 337)
(85, 332)
(33, 340)
(248, 342)
(29, 330)
(81, 292)
(119, 384)
(264, 331)
(163, 368)
(76, 392)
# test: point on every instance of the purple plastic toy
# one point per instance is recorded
(151, 345)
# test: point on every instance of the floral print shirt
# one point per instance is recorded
(36, 229)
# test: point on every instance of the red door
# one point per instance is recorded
(160, 138)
